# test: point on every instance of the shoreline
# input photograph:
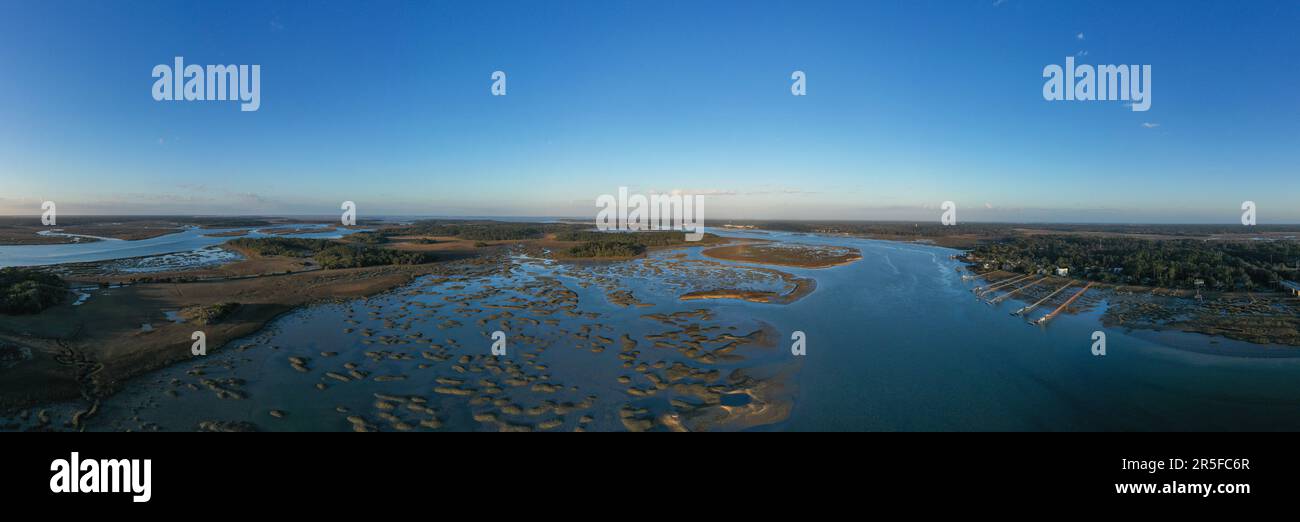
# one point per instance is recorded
(1157, 310)
(804, 286)
(736, 254)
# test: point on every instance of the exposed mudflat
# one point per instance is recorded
(420, 358)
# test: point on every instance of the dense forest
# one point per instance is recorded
(622, 247)
(1168, 263)
(281, 246)
(473, 230)
(347, 256)
(329, 254)
(620, 244)
(370, 238)
(25, 291)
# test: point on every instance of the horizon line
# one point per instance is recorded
(584, 218)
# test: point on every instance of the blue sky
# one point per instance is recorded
(909, 104)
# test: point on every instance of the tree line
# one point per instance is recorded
(608, 248)
(328, 253)
(26, 291)
(620, 244)
(1168, 263)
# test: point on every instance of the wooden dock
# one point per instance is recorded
(1031, 307)
(1001, 284)
(1044, 319)
(1002, 297)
